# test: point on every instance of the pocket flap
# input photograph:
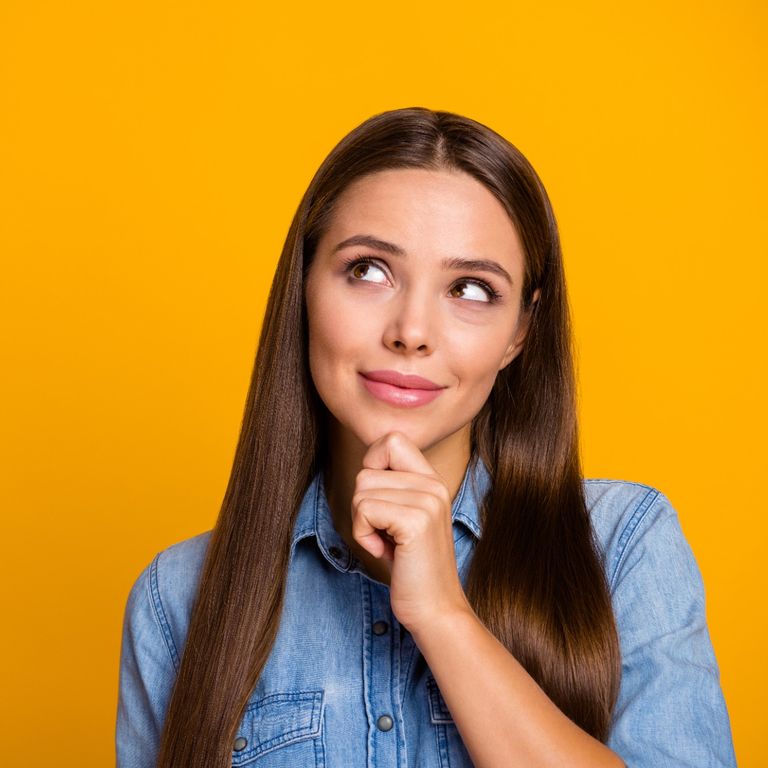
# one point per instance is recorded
(438, 711)
(277, 720)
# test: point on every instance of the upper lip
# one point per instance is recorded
(407, 380)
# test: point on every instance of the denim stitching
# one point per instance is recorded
(620, 482)
(629, 529)
(394, 688)
(408, 667)
(278, 741)
(460, 515)
(367, 617)
(160, 613)
(438, 709)
(462, 535)
(308, 529)
(315, 704)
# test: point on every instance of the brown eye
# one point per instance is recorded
(359, 268)
(486, 289)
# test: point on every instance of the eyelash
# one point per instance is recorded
(493, 295)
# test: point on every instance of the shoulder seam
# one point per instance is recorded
(157, 606)
(630, 529)
(620, 482)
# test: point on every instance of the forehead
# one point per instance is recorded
(428, 212)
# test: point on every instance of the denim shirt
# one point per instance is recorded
(345, 685)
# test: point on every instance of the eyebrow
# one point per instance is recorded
(456, 262)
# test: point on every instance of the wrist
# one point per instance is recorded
(443, 621)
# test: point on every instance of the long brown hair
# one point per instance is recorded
(536, 578)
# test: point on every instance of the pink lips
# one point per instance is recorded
(405, 390)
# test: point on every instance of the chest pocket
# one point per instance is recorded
(282, 730)
(450, 747)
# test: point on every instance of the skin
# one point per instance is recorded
(393, 472)
(409, 314)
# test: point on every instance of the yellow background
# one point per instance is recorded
(152, 155)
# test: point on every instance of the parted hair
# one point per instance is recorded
(536, 578)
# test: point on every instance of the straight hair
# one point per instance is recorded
(536, 578)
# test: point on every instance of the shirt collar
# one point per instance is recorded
(315, 519)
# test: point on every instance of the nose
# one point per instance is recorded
(410, 327)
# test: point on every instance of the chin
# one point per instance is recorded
(422, 436)
(369, 430)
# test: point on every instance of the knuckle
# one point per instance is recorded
(438, 486)
(442, 494)
(437, 498)
(422, 523)
(365, 476)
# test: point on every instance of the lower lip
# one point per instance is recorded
(400, 396)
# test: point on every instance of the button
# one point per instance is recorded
(335, 553)
(240, 743)
(384, 723)
(380, 627)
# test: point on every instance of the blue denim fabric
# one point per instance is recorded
(341, 661)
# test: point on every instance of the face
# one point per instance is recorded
(386, 292)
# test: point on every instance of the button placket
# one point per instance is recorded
(385, 723)
(381, 676)
(380, 628)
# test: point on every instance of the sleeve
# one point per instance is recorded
(670, 710)
(146, 676)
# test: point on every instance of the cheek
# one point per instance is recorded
(477, 354)
(478, 385)
(337, 340)
(476, 366)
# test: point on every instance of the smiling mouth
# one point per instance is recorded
(402, 380)
(402, 397)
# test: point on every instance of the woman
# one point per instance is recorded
(408, 567)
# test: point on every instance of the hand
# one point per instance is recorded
(401, 511)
